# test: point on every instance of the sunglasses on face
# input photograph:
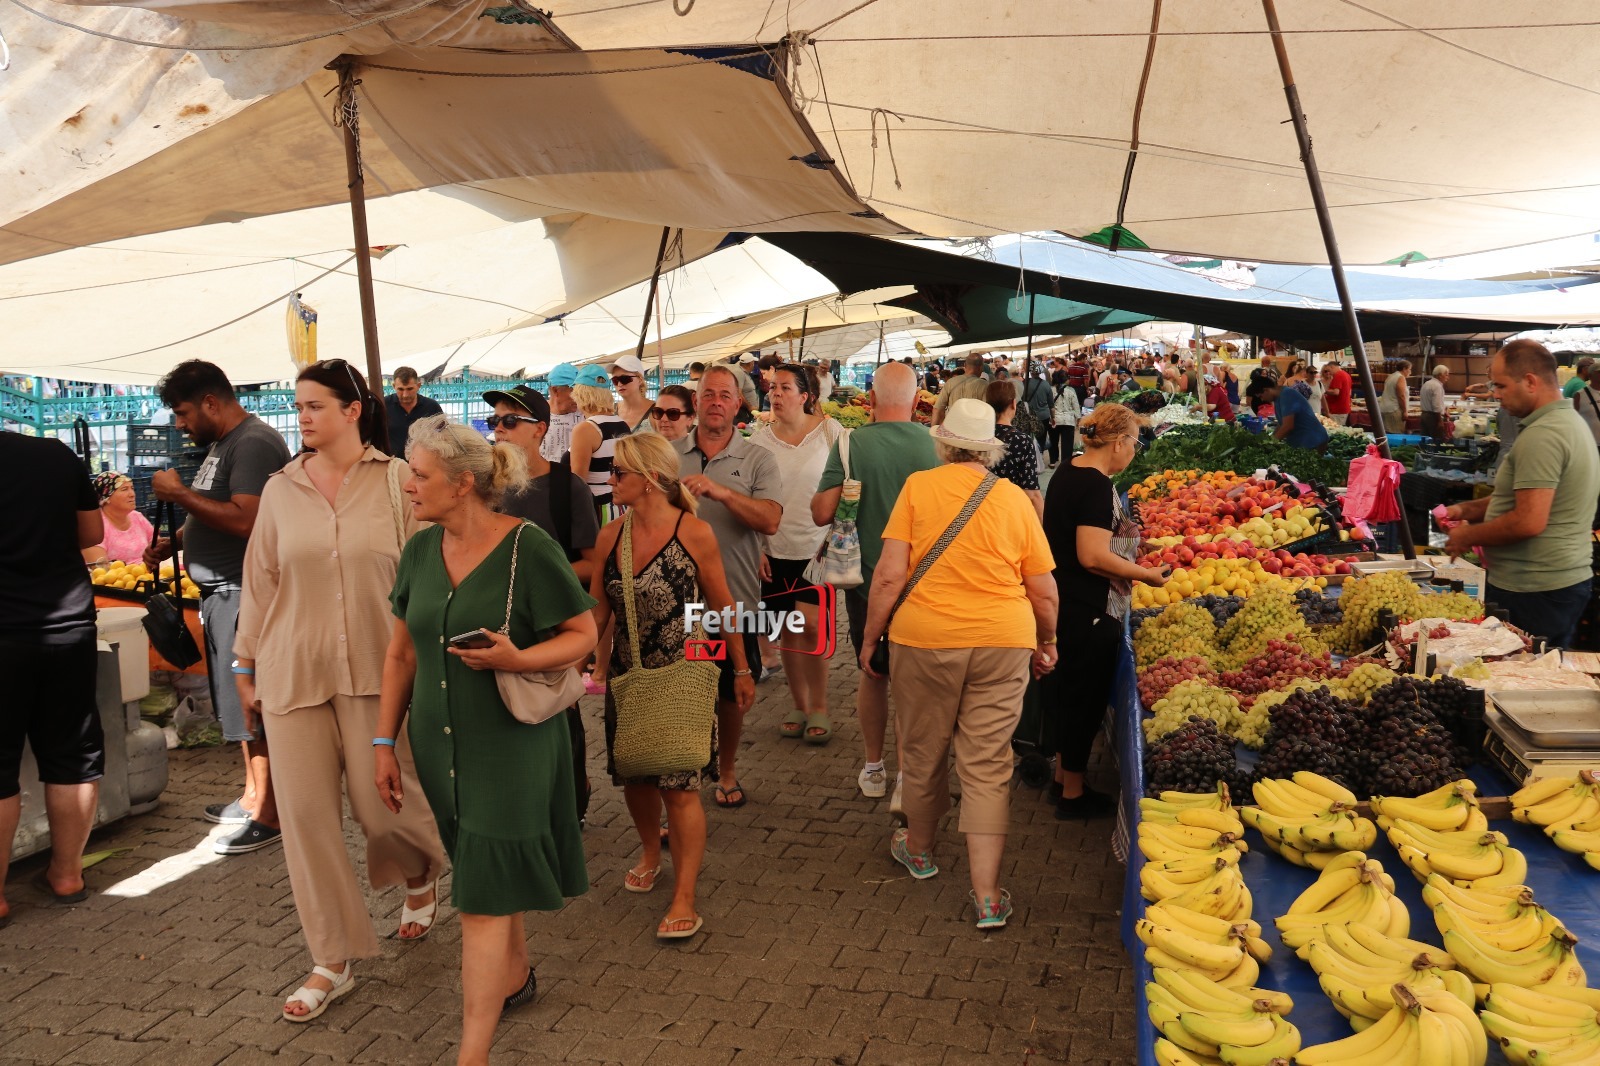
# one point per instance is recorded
(622, 379)
(508, 421)
(668, 413)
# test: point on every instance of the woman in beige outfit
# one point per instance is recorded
(313, 628)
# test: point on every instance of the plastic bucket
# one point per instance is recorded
(124, 626)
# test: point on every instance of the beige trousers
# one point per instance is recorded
(312, 749)
(968, 699)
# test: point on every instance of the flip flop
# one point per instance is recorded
(724, 797)
(793, 724)
(423, 916)
(41, 881)
(820, 721)
(679, 934)
(640, 880)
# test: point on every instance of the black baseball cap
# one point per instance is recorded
(526, 397)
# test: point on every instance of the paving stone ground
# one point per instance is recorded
(818, 949)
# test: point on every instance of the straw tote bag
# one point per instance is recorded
(665, 714)
(538, 696)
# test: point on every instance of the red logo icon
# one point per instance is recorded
(701, 651)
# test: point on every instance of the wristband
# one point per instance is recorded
(386, 742)
(1042, 643)
(741, 673)
(248, 671)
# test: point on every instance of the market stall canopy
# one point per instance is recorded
(108, 140)
(740, 297)
(1441, 126)
(455, 263)
(1166, 122)
(956, 275)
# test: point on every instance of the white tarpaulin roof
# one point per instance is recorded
(461, 262)
(733, 300)
(101, 140)
(1441, 126)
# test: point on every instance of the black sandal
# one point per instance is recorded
(522, 995)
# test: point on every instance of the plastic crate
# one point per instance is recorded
(1252, 423)
(165, 442)
(1400, 440)
(1438, 459)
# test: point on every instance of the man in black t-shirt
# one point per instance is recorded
(47, 653)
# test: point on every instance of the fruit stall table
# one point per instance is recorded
(1562, 883)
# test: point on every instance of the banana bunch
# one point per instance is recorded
(1168, 805)
(1453, 806)
(1359, 969)
(1194, 867)
(1352, 888)
(1579, 834)
(1426, 1027)
(1532, 949)
(1202, 1022)
(1308, 818)
(1468, 857)
(1539, 1026)
(1557, 801)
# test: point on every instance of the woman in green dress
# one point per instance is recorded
(501, 791)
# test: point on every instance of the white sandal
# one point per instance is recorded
(319, 999)
(423, 916)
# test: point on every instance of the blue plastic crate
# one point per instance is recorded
(1402, 439)
(1252, 423)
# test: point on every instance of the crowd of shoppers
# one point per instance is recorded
(370, 600)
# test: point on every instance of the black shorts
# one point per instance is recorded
(788, 585)
(51, 705)
(752, 662)
(855, 605)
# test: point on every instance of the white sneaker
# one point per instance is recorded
(874, 783)
(897, 809)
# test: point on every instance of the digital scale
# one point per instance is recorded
(1540, 734)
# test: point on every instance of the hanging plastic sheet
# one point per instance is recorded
(301, 322)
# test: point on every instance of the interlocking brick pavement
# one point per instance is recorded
(817, 948)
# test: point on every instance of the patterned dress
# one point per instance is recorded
(667, 582)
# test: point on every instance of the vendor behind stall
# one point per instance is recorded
(1297, 422)
(1536, 529)
(128, 533)
(1433, 416)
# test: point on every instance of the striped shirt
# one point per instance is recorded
(611, 427)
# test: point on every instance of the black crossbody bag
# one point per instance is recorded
(163, 619)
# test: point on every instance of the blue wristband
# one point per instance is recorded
(386, 742)
(247, 671)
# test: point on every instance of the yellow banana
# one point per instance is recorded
(1359, 835)
(1541, 1006)
(1448, 810)
(1513, 873)
(1208, 863)
(1485, 861)
(1325, 960)
(1182, 918)
(1272, 796)
(1326, 889)
(1574, 840)
(1554, 963)
(1434, 1045)
(1202, 956)
(1169, 1027)
(1169, 1054)
(1395, 948)
(1187, 836)
(1573, 1051)
(1490, 899)
(1369, 1047)
(1232, 1029)
(1325, 787)
(1324, 832)
(1574, 804)
(1245, 975)
(1399, 918)
(1197, 992)
(1281, 1046)
(1415, 860)
(1275, 1001)
(1205, 818)
(1158, 957)
(1536, 792)
(1473, 1042)
(1217, 799)
(1502, 1027)
(1225, 896)
(1477, 821)
(1350, 996)
(1525, 931)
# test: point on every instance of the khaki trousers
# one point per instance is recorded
(968, 699)
(312, 749)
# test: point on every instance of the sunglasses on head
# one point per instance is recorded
(507, 421)
(622, 379)
(334, 364)
(670, 414)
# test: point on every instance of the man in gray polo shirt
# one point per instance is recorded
(1536, 529)
(737, 489)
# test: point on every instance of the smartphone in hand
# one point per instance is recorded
(472, 638)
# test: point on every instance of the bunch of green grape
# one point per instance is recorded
(1359, 685)
(1192, 699)
(1181, 630)
(1270, 614)
(1363, 598)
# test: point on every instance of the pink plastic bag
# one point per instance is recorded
(1370, 492)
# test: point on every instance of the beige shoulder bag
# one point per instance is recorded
(539, 696)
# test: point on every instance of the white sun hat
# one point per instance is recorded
(969, 425)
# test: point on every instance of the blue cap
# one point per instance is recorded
(562, 375)
(593, 374)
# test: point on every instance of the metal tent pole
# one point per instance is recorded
(649, 305)
(805, 317)
(1330, 243)
(349, 118)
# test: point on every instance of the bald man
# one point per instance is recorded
(882, 455)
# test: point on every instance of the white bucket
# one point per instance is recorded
(124, 626)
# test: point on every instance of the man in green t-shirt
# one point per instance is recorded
(1536, 529)
(882, 455)
(1579, 378)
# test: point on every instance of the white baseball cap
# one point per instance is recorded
(628, 364)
